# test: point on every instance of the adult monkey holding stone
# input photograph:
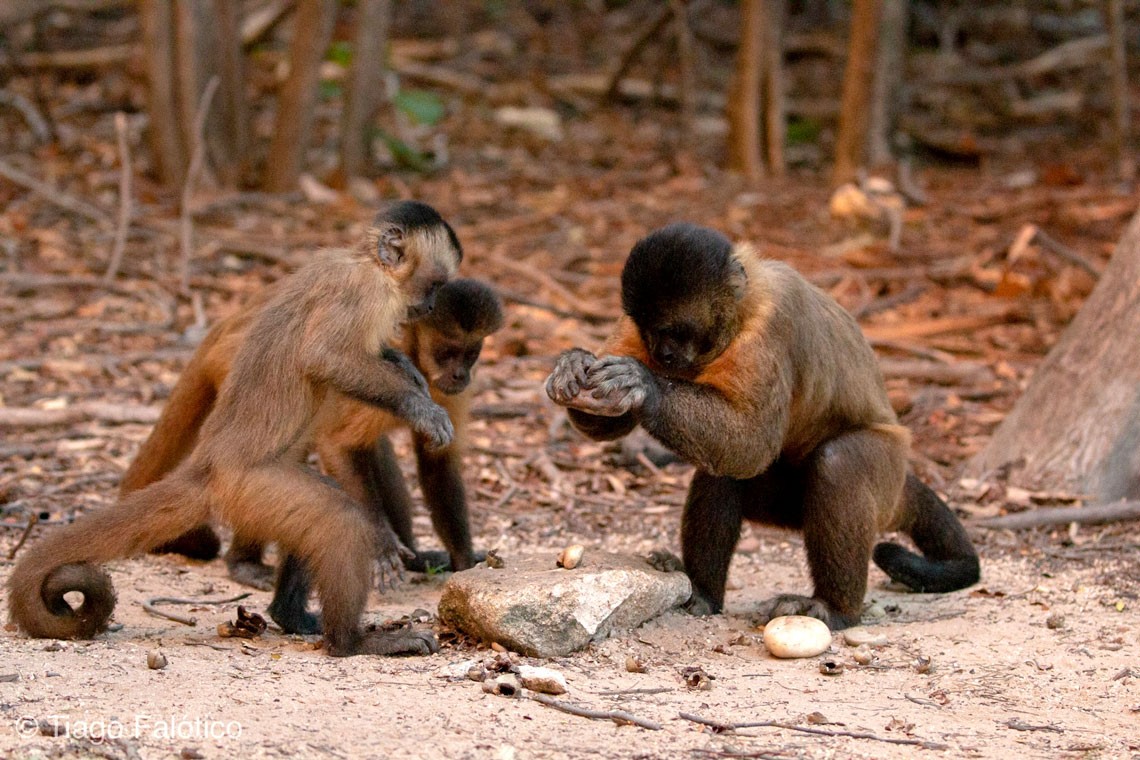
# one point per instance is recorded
(327, 326)
(767, 386)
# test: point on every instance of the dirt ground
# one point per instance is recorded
(1038, 660)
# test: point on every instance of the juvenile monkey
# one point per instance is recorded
(348, 435)
(768, 387)
(324, 329)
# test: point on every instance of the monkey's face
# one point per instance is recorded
(447, 361)
(685, 337)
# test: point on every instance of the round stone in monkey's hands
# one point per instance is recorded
(794, 636)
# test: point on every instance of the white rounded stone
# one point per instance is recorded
(793, 636)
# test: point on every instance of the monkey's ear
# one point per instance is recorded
(737, 278)
(390, 246)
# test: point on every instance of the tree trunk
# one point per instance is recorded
(229, 144)
(889, 68)
(1077, 426)
(366, 87)
(163, 132)
(858, 79)
(743, 109)
(312, 32)
(1118, 61)
(775, 116)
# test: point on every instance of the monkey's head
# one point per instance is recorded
(683, 286)
(448, 341)
(419, 248)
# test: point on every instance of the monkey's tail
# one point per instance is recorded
(948, 561)
(68, 558)
(176, 432)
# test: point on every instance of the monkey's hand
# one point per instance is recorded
(391, 554)
(569, 376)
(430, 423)
(405, 365)
(617, 385)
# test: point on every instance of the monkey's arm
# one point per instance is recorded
(391, 383)
(724, 430)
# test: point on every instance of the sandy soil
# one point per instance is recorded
(998, 681)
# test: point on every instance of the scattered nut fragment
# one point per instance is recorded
(249, 625)
(493, 560)
(571, 556)
(476, 672)
(863, 656)
(190, 753)
(635, 665)
(543, 680)
(155, 660)
(1055, 622)
(506, 685)
(875, 612)
(859, 636)
(923, 664)
(831, 667)
(697, 679)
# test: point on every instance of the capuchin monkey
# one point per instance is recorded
(767, 386)
(323, 330)
(349, 436)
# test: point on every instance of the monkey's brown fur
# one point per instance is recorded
(323, 328)
(443, 347)
(768, 387)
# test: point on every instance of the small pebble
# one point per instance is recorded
(544, 680)
(634, 665)
(793, 636)
(863, 656)
(875, 612)
(859, 636)
(1055, 622)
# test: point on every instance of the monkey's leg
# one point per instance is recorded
(243, 559)
(288, 608)
(849, 482)
(441, 478)
(201, 542)
(334, 539)
(710, 528)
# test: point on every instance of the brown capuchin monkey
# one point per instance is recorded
(324, 329)
(349, 436)
(767, 386)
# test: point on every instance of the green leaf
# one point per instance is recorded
(803, 131)
(421, 106)
(340, 52)
(404, 154)
(329, 89)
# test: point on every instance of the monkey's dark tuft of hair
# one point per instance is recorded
(471, 304)
(671, 264)
(415, 215)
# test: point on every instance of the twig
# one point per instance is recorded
(1020, 725)
(719, 727)
(1035, 518)
(649, 31)
(150, 606)
(35, 518)
(197, 156)
(54, 195)
(126, 204)
(541, 279)
(117, 413)
(688, 74)
(621, 717)
(34, 119)
(1061, 250)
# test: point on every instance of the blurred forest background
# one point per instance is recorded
(957, 174)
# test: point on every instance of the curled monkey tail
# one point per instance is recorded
(68, 558)
(948, 561)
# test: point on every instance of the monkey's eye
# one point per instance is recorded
(471, 355)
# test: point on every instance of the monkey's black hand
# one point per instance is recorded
(617, 385)
(391, 555)
(569, 375)
(405, 365)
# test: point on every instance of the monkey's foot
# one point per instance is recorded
(392, 643)
(665, 561)
(252, 573)
(436, 561)
(300, 621)
(793, 604)
(392, 557)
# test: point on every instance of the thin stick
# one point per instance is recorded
(620, 717)
(649, 31)
(1035, 518)
(54, 195)
(126, 204)
(35, 518)
(719, 727)
(150, 606)
(197, 157)
(688, 69)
